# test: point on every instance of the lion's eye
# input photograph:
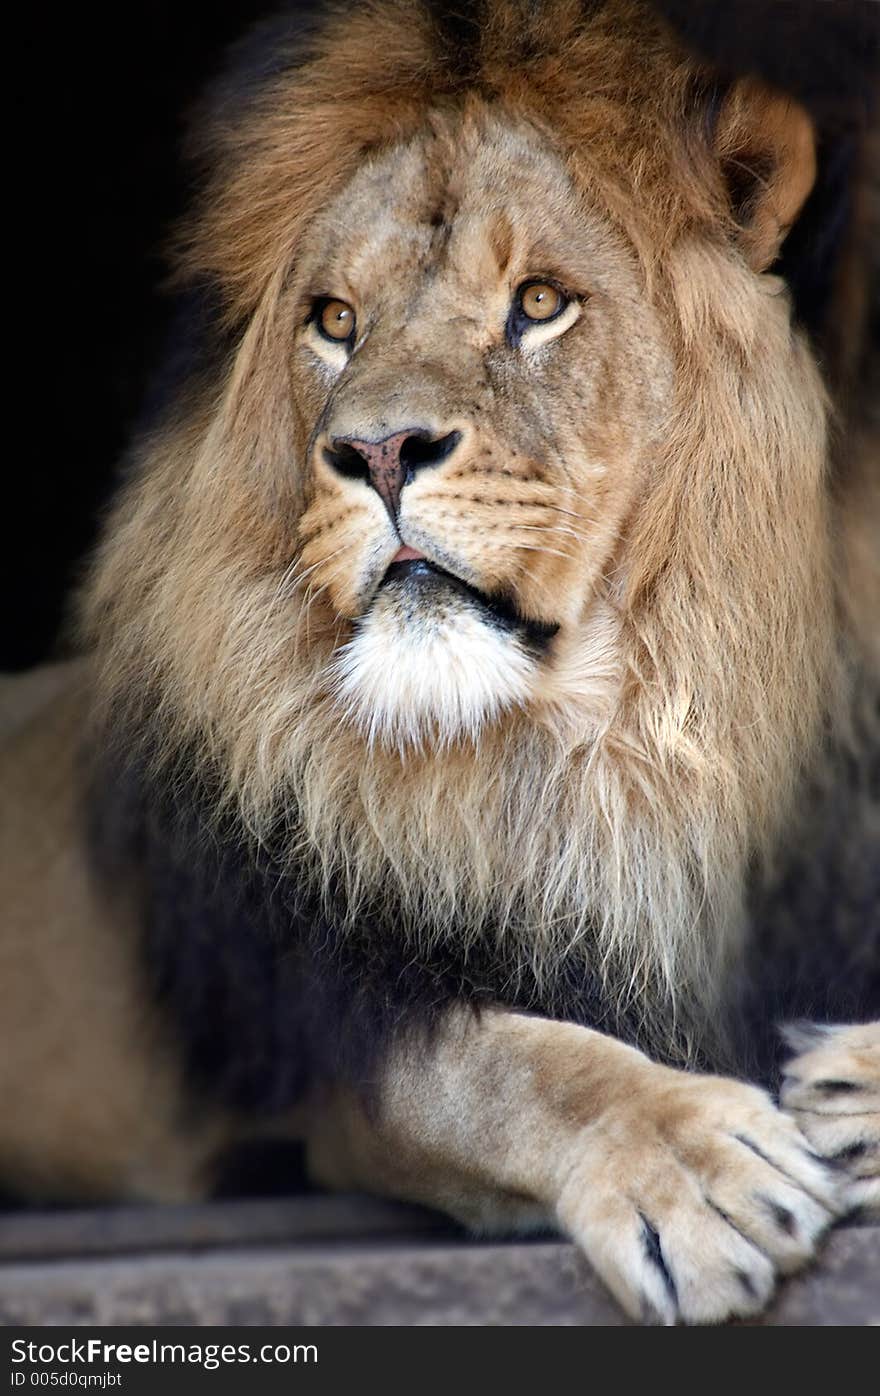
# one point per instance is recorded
(538, 300)
(537, 304)
(335, 320)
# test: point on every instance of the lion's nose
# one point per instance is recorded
(391, 463)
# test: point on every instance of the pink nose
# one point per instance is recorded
(391, 463)
(386, 470)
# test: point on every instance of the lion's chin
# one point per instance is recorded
(428, 667)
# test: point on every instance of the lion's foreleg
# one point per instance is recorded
(688, 1193)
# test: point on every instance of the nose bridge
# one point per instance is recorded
(395, 383)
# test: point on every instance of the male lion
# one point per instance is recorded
(463, 637)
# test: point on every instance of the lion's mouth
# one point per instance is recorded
(415, 575)
(406, 554)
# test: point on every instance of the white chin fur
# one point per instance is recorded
(429, 679)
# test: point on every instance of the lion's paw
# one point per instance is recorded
(831, 1088)
(692, 1199)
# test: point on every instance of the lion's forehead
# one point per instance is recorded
(472, 206)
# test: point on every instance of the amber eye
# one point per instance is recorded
(335, 320)
(538, 300)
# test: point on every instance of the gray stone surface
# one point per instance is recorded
(106, 1231)
(385, 1278)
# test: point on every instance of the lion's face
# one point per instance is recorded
(478, 383)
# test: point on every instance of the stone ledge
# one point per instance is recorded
(338, 1261)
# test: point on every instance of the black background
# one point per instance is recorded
(93, 183)
(102, 97)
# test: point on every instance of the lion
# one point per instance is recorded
(474, 623)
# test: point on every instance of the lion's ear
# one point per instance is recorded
(766, 147)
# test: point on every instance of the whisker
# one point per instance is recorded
(536, 548)
(322, 562)
(554, 530)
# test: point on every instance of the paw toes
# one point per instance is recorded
(863, 1198)
(624, 1249)
(832, 1091)
(654, 1255)
(836, 1070)
(720, 1271)
(849, 1143)
(829, 1095)
(789, 1163)
(785, 1225)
